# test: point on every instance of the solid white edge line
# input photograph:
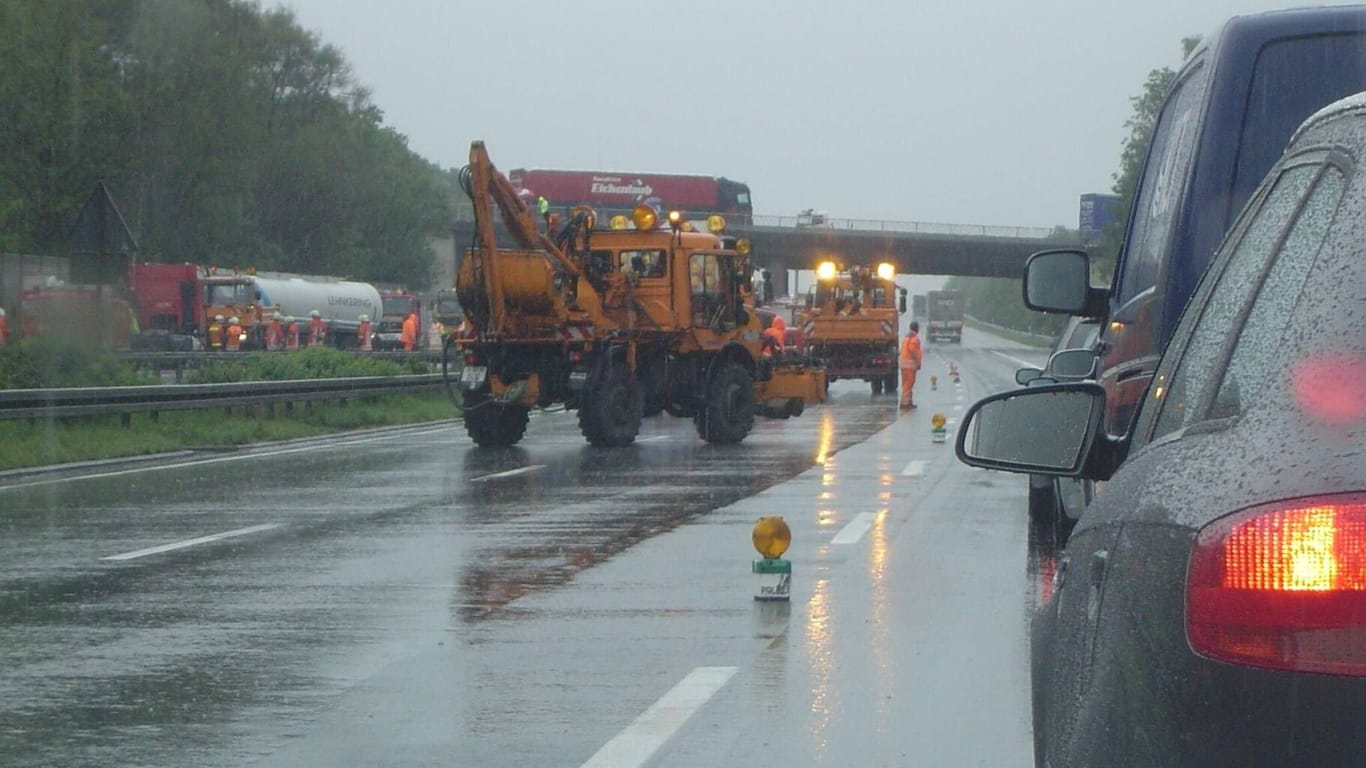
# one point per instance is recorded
(1016, 360)
(851, 533)
(914, 468)
(192, 542)
(639, 741)
(508, 473)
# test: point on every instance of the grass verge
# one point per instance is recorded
(56, 442)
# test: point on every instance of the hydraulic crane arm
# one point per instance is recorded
(486, 188)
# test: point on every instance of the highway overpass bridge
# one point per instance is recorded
(914, 247)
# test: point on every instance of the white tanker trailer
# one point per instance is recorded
(340, 302)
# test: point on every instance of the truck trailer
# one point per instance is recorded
(611, 193)
(179, 300)
(944, 316)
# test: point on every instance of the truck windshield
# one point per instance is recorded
(399, 305)
(222, 294)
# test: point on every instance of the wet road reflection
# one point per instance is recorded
(177, 656)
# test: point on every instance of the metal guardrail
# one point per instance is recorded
(98, 401)
(179, 362)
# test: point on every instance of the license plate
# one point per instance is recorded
(473, 375)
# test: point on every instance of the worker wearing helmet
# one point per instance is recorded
(216, 334)
(275, 332)
(4, 327)
(317, 329)
(775, 336)
(291, 333)
(235, 333)
(910, 358)
(363, 334)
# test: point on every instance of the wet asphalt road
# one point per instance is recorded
(402, 598)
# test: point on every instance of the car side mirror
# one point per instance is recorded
(1046, 430)
(1025, 375)
(1060, 281)
(1072, 365)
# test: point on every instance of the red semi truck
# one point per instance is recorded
(610, 192)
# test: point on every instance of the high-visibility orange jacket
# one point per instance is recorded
(317, 332)
(234, 337)
(911, 354)
(409, 335)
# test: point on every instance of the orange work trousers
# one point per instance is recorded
(907, 382)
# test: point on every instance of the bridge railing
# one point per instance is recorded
(923, 227)
(805, 222)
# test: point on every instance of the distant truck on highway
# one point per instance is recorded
(396, 305)
(944, 316)
(613, 192)
(178, 300)
(850, 323)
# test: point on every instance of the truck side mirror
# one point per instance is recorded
(901, 304)
(810, 301)
(1060, 281)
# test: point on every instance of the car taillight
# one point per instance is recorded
(1282, 586)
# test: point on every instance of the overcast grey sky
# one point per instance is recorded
(972, 112)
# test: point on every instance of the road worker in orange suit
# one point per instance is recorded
(775, 336)
(363, 334)
(910, 359)
(4, 327)
(317, 329)
(409, 335)
(275, 333)
(216, 331)
(234, 334)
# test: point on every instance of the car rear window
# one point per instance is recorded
(1204, 351)
(1291, 80)
(1258, 355)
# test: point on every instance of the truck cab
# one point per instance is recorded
(1225, 121)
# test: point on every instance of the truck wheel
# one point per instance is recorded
(729, 412)
(877, 386)
(611, 408)
(889, 384)
(491, 425)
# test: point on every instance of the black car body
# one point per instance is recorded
(1209, 608)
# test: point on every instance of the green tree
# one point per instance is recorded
(227, 134)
